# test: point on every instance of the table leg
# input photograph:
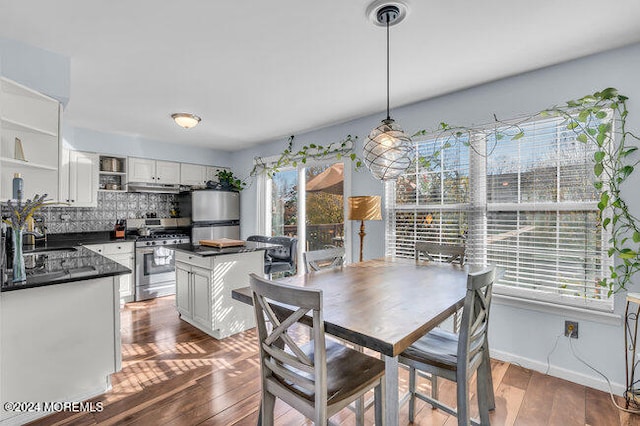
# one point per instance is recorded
(391, 402)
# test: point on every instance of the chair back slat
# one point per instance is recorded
(318, 260)
(282, 358)
(474, 327)
(448, 253)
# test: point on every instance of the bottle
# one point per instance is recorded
(18, 186)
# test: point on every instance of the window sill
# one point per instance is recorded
(607, 318)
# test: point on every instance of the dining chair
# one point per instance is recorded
(319, 378)
(317, 260)
(456, 357)
(448, 253)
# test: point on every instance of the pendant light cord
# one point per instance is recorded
(388, 115)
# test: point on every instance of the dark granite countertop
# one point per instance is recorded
(74, 239)
(206, 251)
(58, 266)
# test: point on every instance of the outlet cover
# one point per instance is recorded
(571, 329)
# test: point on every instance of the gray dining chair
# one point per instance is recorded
(318, 260)
(456, 357)
(448, 253)
(319, 378)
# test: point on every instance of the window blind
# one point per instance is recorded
(521, 198)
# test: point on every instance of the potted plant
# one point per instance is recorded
(227, 181)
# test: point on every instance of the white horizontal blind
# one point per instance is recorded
(542, 219)
(430, 201)
(532, 210)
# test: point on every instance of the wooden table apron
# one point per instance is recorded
(384, 305)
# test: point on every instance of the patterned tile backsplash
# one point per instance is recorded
(111, 206)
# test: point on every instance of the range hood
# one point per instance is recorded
(153, 187)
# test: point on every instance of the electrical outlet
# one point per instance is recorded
(571, 329)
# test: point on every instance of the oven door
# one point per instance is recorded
(155, 272)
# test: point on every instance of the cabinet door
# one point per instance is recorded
(141, 170)
(202, 303)
(126, 281)
(192, 174)
(183, 289)
(83, 179)
(167, 172)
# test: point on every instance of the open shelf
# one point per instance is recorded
(27, 164)
(9, 124)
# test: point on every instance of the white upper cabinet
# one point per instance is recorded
(141, 170)
(79, 178)
(29, 140)
(192, 174)
(212, 172)
(153, 171)
(167, 172)
(83, 179)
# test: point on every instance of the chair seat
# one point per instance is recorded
(438, 348)
(348, 372)
(276, 266)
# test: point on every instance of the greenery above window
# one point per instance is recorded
(598, 119)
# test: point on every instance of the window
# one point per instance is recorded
(522, 201)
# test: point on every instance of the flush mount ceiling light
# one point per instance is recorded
(388, 150)
(185, 119)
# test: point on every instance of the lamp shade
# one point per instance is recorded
(365, 207)
(388, 151)
(185, 119)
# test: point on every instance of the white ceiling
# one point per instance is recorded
(258, 70)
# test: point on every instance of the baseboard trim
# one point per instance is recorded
(595, 382)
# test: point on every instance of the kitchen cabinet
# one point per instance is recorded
(203, 291)
(113, 173)
(79, 178)
(124, 254)
(153, 171)
(29, 140)
(212, 172)
(193, 174)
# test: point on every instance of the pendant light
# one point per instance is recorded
(388, 150)
(185, 119)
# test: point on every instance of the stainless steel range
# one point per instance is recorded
(155, 260)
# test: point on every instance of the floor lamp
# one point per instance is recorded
(365, 207)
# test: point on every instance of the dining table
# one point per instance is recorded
(384, 305)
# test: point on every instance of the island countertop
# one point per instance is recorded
(69, 264)
(205, 251)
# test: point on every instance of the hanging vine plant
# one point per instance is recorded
(598, 119)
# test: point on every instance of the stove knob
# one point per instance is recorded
(175, 241)
(147, 243)
(164, 242)
(153, 243)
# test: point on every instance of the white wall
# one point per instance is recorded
(523, 335)
(81, 139)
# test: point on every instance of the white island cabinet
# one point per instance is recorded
(203, 290)
(58, 343)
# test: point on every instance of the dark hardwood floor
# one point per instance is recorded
(173, 374)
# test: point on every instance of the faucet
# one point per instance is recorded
(36, 229)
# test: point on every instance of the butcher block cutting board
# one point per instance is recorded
(222, 242)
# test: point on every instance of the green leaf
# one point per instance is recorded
(627, 254)
(517, 136)
(352, 156)
(601, 138)
(358, 163)
(606, 222)
(597, 185)
(582, 138)
(636, 237)
(304, 161)
(313, 145)
(611, 251)
(499, 136)
(599, 156)
(601, 115)
(294, 164)
(572, 125)
(584, 114)
(628, 151)
(592, 131)
(338, 156)
(626, 171)
(598, 169)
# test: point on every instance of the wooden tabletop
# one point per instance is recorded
(384, 304)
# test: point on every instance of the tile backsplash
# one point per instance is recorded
(111, 206)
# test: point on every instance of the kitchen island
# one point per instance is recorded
(205, 277)
(59, 331)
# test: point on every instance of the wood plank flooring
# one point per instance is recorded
(173, 374)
